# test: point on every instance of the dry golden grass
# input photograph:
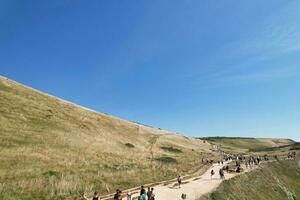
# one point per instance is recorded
(53, 149)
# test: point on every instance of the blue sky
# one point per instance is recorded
(202, 68)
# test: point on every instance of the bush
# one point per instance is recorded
(129, 145)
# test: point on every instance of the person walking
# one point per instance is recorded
(221, 173)
(129, 196)
(96, 197)
(179, 181)
(84, 197)
(149, 193)
(142, 191)
(120, 195)
(116, 196)
(143, 196)
(212, 172)
(152, 194)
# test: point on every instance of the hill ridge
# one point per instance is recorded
(84, 107)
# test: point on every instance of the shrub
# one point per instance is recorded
(129, 145)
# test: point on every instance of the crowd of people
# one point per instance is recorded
(291, 155)
(149, 195)
(253, 161)
(248, 161)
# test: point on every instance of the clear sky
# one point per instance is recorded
(202, 68)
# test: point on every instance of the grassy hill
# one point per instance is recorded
(278, 180)
(53, 149)
(240, 144)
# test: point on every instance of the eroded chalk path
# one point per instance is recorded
(193, 187)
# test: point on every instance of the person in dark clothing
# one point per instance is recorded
(120, 195)
(227, 168)
(116, 196)
(96, 197)
(149, 192)
(221, 173)
(212, 172)
(179, 181)
(143, 191)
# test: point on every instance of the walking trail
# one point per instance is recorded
(193, 187)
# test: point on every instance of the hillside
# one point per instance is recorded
(53, 149)
(243, 145)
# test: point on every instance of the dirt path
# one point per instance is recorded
(193, 187)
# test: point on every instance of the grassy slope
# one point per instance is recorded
(238, 144)
(276, 180)
(51, 149)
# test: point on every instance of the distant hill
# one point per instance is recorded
(247, 144)
(54, 149)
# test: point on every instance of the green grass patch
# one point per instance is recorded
(215, 139)
(295, 146)
(276, 180)
(171, 149)
(119, 167)
(166, 159)
(260, 149)
(52, 173)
